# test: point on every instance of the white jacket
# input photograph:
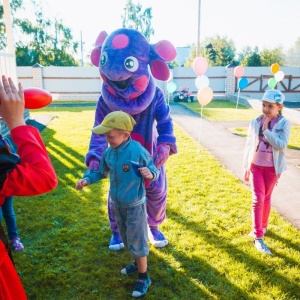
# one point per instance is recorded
(278, 138)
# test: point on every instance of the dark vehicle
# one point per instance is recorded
(183, 95)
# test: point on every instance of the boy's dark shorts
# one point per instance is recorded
(133, 228)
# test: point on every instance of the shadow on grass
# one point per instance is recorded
(225, 289)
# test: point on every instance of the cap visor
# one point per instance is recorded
(101, 129)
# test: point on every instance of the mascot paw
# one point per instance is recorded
(162, 154)
(115, 243)
(94, 165)
(156, 237)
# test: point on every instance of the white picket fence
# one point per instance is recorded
(84, 83)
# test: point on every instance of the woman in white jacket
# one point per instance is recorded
(264, 160)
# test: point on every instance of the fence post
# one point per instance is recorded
(229, 82)
(37, 76)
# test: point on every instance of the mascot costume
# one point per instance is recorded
(125, 59)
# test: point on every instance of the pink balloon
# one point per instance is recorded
(205, 95)
(238, 71)
(200, 65)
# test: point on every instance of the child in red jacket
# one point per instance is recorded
(32, 175)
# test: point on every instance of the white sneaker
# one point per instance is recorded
(260, 245)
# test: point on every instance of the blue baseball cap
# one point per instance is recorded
(273, 96)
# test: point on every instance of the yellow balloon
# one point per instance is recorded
(275, 68)
(205, 95)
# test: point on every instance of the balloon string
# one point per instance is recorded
(237, 103)
(200, 128)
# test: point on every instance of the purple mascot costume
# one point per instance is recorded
(125, 59)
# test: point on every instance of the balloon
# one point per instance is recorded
(171, 87)
(201, 82)
(200, 65)
(275, 68)
(238, 71)
(36, 98)
(272, 83)
(279, 76)
(243, 82)
(205, 95)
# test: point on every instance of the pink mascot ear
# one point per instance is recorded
(101, 38)
(161, 53)
(96, 52)
(165, 50)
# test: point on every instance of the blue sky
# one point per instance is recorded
(262, 23)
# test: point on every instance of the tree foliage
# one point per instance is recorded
(249, 57)
(271, 56)
(15, 5)
(219, 51)
(134, 17)
(43, 41)
(293, 55)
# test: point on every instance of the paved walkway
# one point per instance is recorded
(228, 148)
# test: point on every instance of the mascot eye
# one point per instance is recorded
(131, 64)
(103, 59)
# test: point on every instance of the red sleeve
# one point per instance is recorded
(35, 174)
(10, 285)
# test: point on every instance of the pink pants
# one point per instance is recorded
(263, 181)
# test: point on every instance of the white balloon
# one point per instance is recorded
(170, 77)
(279, 76)
(201, 82)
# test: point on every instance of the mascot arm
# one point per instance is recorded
(164, 124)
(97, 142)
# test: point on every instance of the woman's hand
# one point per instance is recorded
(11, 103)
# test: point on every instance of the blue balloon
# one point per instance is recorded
(243, 82)
(171, 87)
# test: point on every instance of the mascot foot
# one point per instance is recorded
(115, 243)
(156, 237)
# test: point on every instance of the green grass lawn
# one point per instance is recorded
(209, 256)
(222, 110)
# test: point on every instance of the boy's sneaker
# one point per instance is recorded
(156, 237)
(141, 287)
(130, 269)
(115, 243)
(260, 245)
(16, 244)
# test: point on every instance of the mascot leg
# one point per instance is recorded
(115, 243)
(156, 195)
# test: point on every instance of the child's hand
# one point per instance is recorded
(145, 172)
(81, 184)
(266, 123)
(247, 175)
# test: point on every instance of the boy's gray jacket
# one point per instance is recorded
(126, 183)
(278, 138)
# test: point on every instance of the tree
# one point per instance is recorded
(219, 51)
(249, 57)
(14, 6)
(137, 19)
(293, 55)
(44, 41)
(271, 56)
